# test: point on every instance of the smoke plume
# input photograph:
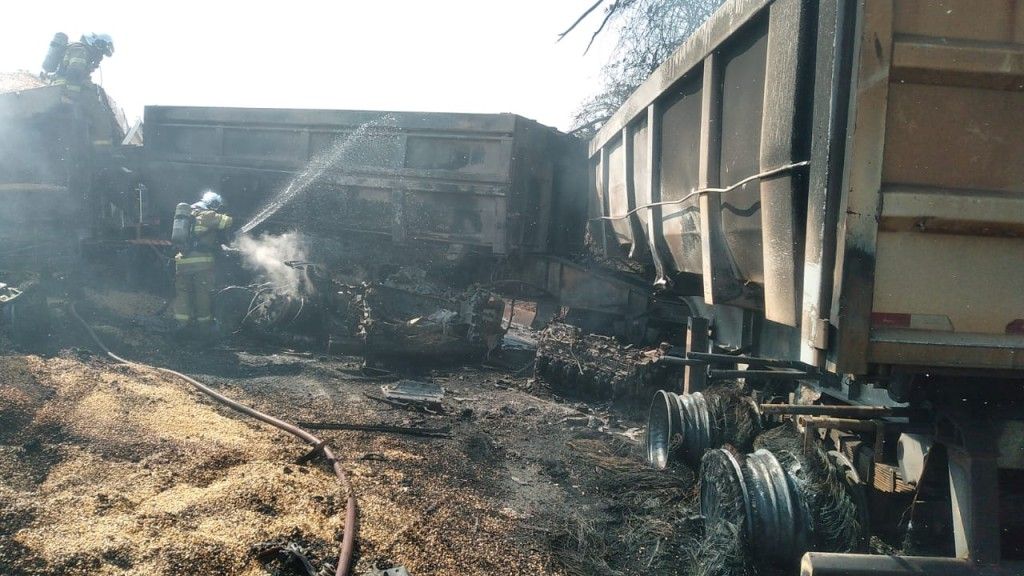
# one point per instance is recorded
(268, 255)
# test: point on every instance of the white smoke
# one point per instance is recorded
(267, 255)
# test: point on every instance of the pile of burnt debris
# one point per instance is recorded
(405, 314)
(722, 480)
(599, 367)
(767, 490)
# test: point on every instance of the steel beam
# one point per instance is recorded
(835, 564)
(695, 378)
(748, 360)
(783, 142)
(654, 215)
(767, 374)
(858, 224)
(827, 410)
(832, 75)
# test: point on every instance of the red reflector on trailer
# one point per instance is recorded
(930, 322)
(1015, 327)
(890, 319)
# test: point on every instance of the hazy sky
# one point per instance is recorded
(439, 55)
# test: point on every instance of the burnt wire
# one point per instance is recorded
(741, 183)
(835, 521)
(252, 308)
(257, 290)
(722, 549)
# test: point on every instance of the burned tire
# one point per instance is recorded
(698, 422)
(788, 502)
(663, 428)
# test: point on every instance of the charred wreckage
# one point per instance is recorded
(796, 248)
(403, 316)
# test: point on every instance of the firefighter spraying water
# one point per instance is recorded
(198, 232)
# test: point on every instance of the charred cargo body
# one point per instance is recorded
(46, 167)
(480, 198)
(69, 182)
(442, 185)
(374, 196)
(62, 175)
(834, 189)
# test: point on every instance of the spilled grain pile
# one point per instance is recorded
(108, 470)
(17, 81)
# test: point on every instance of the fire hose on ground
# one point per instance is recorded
(319, 446)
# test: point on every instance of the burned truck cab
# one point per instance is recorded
(55, 148)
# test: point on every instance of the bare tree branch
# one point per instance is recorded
(611, 12)
(648, 32)
(589, 126)
(578, 20)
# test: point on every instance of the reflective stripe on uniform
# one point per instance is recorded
(225, 222)
(194, 259)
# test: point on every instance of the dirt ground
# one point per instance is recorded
(109, 469)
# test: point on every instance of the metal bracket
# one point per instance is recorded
(819, 334)
(695, 378)
(973, 485)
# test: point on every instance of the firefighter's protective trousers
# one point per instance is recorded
(194, 272)
(193, 286)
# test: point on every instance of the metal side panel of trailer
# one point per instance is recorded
(930, 263)
(486, 181)
(47, 169)
(848, 172)
(732, 102)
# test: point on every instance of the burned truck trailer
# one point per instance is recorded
(377, 198)
(836, 190)
(476, 197)
(45, 169)
(60, 170)
(448, 184)
(66, 177)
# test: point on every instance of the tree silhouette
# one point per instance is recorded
(648, 31)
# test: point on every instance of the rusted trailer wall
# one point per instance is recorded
(489, 183)
(936, 203)
(724, 108)
(847, 172)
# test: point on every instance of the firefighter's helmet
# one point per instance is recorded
(211, 200)
(102, 42)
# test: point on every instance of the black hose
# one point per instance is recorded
(348, 540)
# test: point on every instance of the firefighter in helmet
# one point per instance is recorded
(81, 59)
(198, 232)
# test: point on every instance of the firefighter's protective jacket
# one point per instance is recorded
(207, 228)
(194, 268)
(206, 231)
(80, 60)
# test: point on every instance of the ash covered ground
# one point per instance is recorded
(109, 469)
